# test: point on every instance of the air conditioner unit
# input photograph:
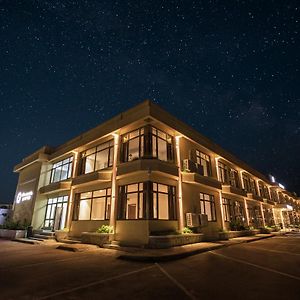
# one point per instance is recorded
(192, 220)
(203, 220)
(189, 166)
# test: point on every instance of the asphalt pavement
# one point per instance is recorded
(263, 269)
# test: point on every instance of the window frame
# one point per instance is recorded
(148, 208)
(77, 204)
(212, 204)
(109, 160)
(205, 158)
(55, 166)
(147, 136)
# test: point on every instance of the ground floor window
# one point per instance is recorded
(233, 211)
(255, 217)
(207, 206)
(269, 217)
(56, 212)
(147, 200)
(92, 205)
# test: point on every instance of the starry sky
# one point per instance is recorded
(230, 69)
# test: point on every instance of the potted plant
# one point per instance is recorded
(12, 230)
(100, 237)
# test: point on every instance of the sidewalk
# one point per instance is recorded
(156, 255)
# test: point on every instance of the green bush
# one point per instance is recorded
(105, 229)
(236, 226)
(11, 225)
(187, 230)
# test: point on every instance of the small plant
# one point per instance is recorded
(236, 226)
(12, 225)
(105, 229)
(187, 230)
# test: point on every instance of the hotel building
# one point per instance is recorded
(142, 172)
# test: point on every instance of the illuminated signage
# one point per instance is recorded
(21, 197)
(280, 185)
(289, 207)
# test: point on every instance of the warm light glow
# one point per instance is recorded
(246, 210)
(112, 221)
(177, 146)
(262, 215)
(221, 208)
(21, 197)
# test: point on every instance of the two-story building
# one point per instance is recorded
(145, 171)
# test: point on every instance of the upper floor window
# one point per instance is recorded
(204, 161)
(207, 206)
(97, 158)
(61, 170)
(247, 184)
(147, 142)
(234, 178)
(93, 205)
(223, 172)
(147, 200)
(263, 190)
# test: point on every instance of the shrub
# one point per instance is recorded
(187, 230)
(105, 229)
(11, 225)
(236, 226)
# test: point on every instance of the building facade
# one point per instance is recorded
(144, 172)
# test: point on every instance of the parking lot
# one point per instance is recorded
(265, 269)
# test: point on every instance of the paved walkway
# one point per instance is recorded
(156, 255)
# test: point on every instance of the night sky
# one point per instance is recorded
(230, 69)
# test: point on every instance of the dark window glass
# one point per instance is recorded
(207, 206)
(223, 173)
(147, 142)
(204, 161)
(234, 178)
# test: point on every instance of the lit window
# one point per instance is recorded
(147, 142)
(133, 201)
(93, 205)
(207, 206)
(97, 158)
(61, 170)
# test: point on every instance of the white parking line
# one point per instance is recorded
(256, 266)
(67, 291)
(179, 285)
(275, 251)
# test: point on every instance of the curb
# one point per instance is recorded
(26, 241)
(169, 257)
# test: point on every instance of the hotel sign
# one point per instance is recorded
(21, 197)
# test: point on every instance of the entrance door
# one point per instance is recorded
(56, 212)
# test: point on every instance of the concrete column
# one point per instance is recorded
(180, 205)
(246, 212)
(222, 211)
(71, 196)
(241, 180)
(262, 215)
(113, 204)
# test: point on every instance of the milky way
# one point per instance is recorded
(228, 68)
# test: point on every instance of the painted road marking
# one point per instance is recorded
(77, 288)
(256, 266)
(179, 285)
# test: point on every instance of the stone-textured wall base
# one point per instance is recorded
(168, 241)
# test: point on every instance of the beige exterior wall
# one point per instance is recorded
(34, 174)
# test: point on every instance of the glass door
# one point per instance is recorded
(56, 212)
